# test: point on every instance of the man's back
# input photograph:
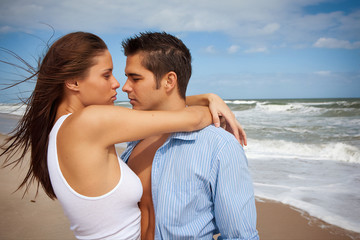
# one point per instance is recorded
(200, 186)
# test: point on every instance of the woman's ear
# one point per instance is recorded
(72, 84)
(170, 81)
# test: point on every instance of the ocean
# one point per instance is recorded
(306, 153)
(301, 152)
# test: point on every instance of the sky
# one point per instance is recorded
(241, 49)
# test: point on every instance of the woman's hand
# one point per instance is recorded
(221, 114)
(225, 118)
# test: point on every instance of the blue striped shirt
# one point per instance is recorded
(201, 186)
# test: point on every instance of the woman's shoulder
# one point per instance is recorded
(80, 117)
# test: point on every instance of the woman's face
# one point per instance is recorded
(99, 86)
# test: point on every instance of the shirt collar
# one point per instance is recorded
(184, 136)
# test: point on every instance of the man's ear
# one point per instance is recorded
(72, 84)
(170, 81)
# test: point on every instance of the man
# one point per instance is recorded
(195, 184)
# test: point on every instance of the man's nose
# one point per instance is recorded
(126, 87)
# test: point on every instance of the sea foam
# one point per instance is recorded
(292, 150)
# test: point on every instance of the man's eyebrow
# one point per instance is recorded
(133, 75)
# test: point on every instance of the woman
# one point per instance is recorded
(71, 126)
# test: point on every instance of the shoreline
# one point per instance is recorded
(277, 221)
(42, 218)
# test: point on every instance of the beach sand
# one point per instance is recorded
(29, 217)
(277, 221)
(42, 218)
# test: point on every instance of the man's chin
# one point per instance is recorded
(137, 106)
(141, 108)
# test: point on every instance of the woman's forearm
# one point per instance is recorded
(201, 99)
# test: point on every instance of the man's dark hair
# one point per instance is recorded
(162, 53)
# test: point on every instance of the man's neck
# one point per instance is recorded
(169, 105)
(172, 104)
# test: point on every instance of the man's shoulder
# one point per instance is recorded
(218, 133)
(219, 141)
(216, 137)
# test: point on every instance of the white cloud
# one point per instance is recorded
(270, 28)
(336, 43)
(210, 49)
(251, 22)
(323, 73)
(257, 50)
(6, 29)
(233, 49)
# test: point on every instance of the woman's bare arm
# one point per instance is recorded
(113, 124)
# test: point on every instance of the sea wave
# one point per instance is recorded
(341, 112)
(290, 107)
(14, 109)
(246, 102)
(316, 107)
(123, 104)
(272, 149)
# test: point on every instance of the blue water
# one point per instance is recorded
(306, 153)
(302, 152)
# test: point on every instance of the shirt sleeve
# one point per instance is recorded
(233, 194)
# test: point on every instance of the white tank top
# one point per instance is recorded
(114, 215)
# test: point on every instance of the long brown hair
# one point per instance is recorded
(71, 56)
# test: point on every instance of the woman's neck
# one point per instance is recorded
(66, 107)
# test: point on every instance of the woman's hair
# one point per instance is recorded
(71, 56)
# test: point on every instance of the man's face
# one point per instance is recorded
(141, 85)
